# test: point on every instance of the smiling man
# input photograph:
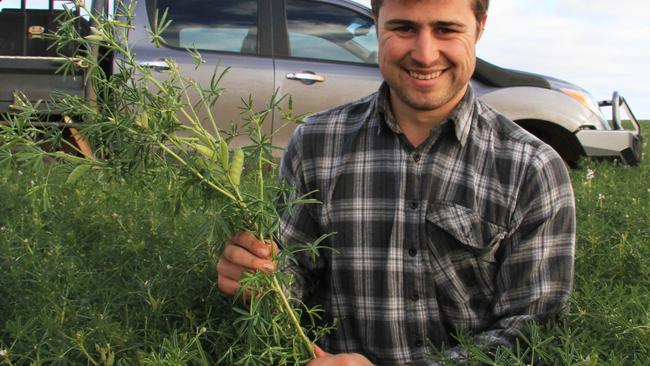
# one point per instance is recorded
(427, 57)
(449, 218)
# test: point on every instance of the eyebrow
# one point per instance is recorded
(438, 23)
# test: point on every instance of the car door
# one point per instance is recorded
(233, 34)
(325, 55)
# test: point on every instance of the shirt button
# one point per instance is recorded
(414, 204)
(419, 343)
(416, 157)
(413, 252)
(415, 297)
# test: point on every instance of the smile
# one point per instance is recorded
(419, 76)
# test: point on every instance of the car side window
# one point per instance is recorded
(329, 32)
(229, 25)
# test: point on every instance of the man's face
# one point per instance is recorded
(427, 51)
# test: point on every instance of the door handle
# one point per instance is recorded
(156, 65)
(306, 77)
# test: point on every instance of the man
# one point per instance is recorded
(449, 219)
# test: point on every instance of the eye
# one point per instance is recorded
(445, 31)
(404, 29)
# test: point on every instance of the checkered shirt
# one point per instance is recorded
(471, 233)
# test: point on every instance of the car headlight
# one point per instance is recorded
(584, 99)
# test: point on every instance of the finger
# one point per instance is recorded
(227, 285)
(228, 269)
(231, 286)
(319, 352)
(239, 256)
(251, 243)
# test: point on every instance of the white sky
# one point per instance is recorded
(600, 45)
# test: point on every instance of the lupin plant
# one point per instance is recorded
(140, 124)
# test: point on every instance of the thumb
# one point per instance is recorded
(319, 352)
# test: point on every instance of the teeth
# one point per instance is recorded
(425, 76)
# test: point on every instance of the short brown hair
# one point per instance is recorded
(480, 8)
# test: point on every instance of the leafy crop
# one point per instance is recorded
(140, 125)
(109, 260)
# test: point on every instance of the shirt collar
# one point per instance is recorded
(460, 117)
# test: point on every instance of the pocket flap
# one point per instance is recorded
(467, 226)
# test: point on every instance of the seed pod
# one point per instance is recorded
(122, 24)
(205, 138)
(204, 150)
(142, 120)
(77, 173)
(94, 37)
(225, 156)
(236, 167)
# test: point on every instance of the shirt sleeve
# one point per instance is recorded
(298, 224)
(535, 278)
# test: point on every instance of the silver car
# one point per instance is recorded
(324, 53)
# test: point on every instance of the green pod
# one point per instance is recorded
(142, 120)
(225, 155)
(204, 150)
(94, 37)
(236, 167)
(206, 139)
(77, 173)
(122, 24)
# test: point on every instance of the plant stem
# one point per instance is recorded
(200, 176)
(287, 307)
(85, 352)
(8, 361)
(276, 284)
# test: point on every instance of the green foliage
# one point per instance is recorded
(106, 268)
(123, 270)
(612, 291)
(111, 261)
(151, 136)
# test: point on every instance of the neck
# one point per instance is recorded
(418, 124)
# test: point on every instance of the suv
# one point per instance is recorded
(323, 53)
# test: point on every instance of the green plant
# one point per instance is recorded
(111, 260)
(140, 125)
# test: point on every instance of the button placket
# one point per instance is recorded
(414, 206)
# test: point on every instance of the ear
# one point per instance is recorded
(481, 28)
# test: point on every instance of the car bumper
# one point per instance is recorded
(619, 143)
(626, 146)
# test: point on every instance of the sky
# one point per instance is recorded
(600, 45)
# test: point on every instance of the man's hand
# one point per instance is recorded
(243, 253)
(343, 359)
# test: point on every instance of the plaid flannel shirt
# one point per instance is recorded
(472, 232)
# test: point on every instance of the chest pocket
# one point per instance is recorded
(463, 250)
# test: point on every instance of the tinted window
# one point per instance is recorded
(329, 32)
(226, 25)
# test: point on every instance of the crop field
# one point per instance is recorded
(108, 253)
(107, 270)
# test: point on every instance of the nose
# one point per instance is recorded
(425, 49)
